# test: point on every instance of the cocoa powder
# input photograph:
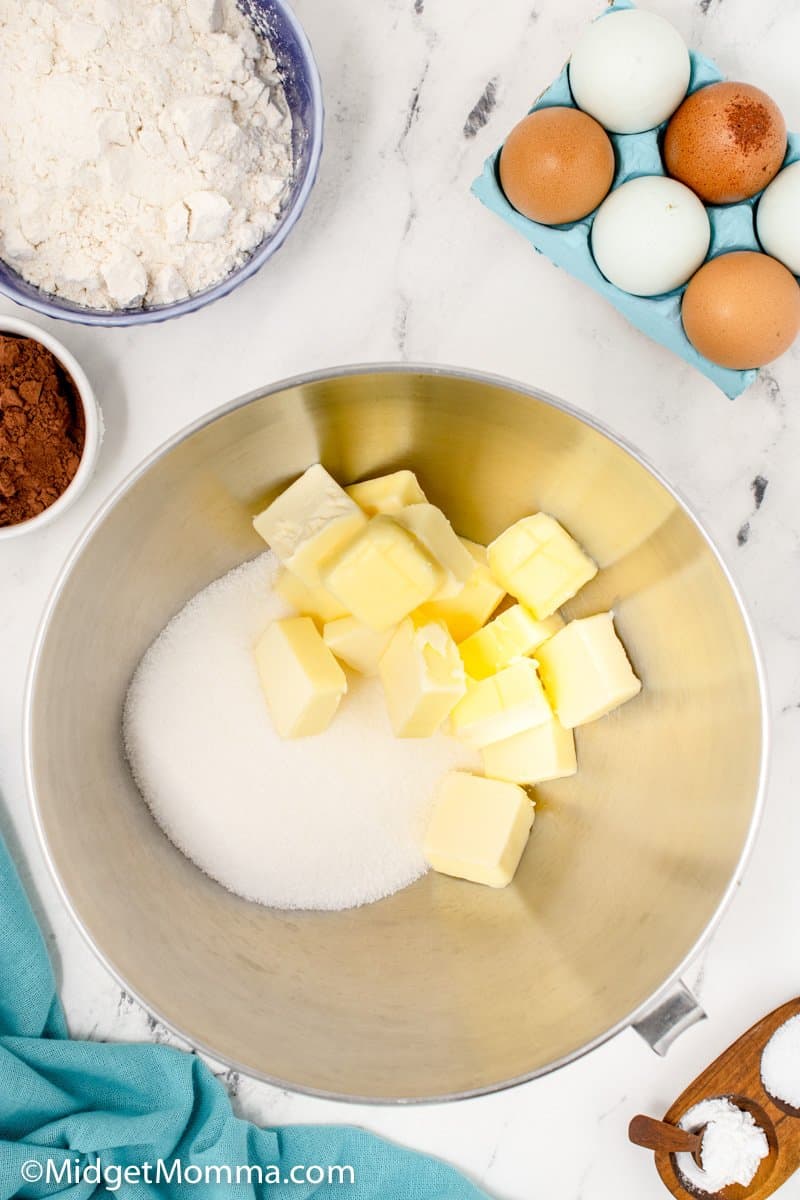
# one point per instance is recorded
(42, 429)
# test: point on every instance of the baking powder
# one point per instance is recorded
(732, 1148)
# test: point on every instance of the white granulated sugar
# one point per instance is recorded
(145, 148)
(780, 1064)
(732, 1149)
(326, 822)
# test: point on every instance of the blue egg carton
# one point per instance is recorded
(568, 246)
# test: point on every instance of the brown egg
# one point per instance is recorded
(742, 309)
(726, 142)
(557, 165)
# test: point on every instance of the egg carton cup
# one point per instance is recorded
(569, 246)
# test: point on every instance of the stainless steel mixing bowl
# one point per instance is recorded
(447, 988)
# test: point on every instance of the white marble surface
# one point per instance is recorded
(394, 259)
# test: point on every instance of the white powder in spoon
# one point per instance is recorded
(327, 822)
(145, 147)
(780, 1064)
(732, 1148)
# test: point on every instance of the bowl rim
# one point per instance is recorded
(50, 306)
(92, 418)
(468, 375)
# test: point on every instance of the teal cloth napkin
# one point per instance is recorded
(118, 1106)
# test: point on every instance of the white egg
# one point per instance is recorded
(630, 70)
(650, 235)
(778, 218)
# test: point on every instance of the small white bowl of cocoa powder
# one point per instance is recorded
(50, 428)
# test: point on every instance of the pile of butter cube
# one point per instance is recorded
(382, 583)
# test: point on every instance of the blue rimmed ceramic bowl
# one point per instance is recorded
(275, 20)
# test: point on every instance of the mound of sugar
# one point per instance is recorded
(329, 822)
(780, 1064)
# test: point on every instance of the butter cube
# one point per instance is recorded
(309, 522)
(533, 756)
(387, 493)
(301, 680)
(431, 527)
(585, 670)
(307, 601)
(478, 829)
(504, 704)
(515, 633)
(466, 612)
(540, 564)
(382, 575)
(422, 676)
(355, 644)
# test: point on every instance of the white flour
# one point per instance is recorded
(732, 1148)
(145, 147)
(327, 822)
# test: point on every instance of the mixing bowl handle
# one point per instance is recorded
(675, 1012)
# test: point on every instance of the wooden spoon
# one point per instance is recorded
(660, 1136)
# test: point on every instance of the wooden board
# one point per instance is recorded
(736, 1074)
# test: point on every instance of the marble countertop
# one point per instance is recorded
(395, 260)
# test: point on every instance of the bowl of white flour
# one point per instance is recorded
(152, 156)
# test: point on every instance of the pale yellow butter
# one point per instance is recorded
(387, 494)
(301, 680)
(533, 756)
(478, 829)
(423, 678)
(309, 522)
(515, 633)
(538, 562)
(382, 575)
(355, 644)
(585, 670)
(469, 609)
(504, 704)
(431, 527)
(308, 601)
